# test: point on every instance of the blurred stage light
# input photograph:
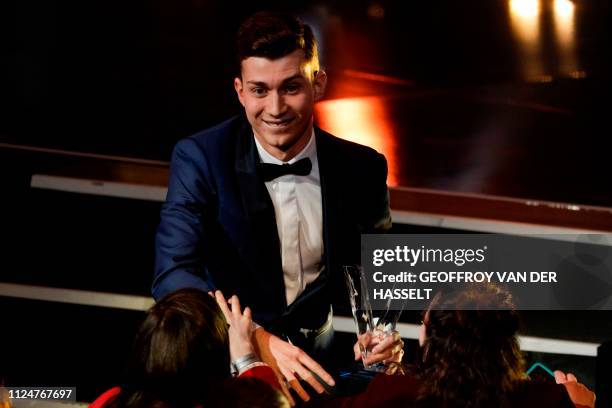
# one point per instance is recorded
(564, 9)
(525, 19)
(525, 9)
(525, 22)
(362, 120)
(564, 22)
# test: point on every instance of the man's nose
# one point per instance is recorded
(276, 105)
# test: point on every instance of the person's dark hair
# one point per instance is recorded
(273, 35)
(180, 352)
(471, 353)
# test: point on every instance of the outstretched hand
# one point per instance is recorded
(240, 325)
(579, 393)
(291, 364)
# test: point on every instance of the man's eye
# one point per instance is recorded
(292, 89)
(258, 91)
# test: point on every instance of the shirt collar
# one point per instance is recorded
(310, 151)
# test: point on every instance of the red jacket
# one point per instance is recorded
(261, 372)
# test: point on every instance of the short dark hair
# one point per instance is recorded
(273, 35)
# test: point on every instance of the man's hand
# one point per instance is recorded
(240, 325)
(579, 393)
(290, 364)
(387, 348)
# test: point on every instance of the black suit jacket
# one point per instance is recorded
(218, 228)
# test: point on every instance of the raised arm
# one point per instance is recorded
(179, 250)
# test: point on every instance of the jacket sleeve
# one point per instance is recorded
(179, 253)
(380, 216)
(105, 398)
(262, 372)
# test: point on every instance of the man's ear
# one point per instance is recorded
(239, 89)
(319, 84)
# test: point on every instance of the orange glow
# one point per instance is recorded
(564, 29)
(564, 9)
(525, 21)
(525, 9)
(362, 120)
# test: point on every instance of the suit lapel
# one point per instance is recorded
(263, 247)
(253, 192)
(329, 194)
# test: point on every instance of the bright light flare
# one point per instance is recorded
(525, 19)
(362, 120)
(525, 9)
(525, 22)
(564, 9)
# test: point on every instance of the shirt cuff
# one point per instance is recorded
(251, 366)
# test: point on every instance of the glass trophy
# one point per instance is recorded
(363, 316)
(360, 305)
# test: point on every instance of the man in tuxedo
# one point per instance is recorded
(269, 207)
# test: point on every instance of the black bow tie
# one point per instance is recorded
(270, 171)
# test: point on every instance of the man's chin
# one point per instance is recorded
(280, 140)
(278, 133)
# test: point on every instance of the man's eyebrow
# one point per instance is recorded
(291, 78)
(263, 84)
(258, 83)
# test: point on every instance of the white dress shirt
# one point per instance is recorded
(299, 220)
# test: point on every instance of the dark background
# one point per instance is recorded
(461, 110)
(464, 107)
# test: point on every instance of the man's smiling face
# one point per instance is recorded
(278, 98)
